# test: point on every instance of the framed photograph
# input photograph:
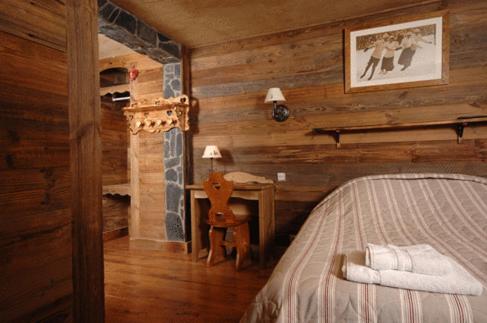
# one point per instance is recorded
(397, 53)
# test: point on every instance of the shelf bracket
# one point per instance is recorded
(459, 129)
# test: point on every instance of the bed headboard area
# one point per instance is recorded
(230, 81)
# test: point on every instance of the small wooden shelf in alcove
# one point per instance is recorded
(117, 189)
(114, 89)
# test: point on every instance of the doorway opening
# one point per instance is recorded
(114, 96)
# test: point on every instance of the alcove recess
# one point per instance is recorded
(114, 92)
(147, 119)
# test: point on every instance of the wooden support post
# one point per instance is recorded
(134, 219)
(85, 144)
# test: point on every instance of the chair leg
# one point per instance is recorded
(242, 243)
(217, 250)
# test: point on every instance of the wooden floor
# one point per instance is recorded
(151, 286)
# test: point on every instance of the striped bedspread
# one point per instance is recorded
(447, 211)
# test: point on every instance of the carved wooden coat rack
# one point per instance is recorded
(159, 115)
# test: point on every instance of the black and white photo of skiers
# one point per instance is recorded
(399, 53)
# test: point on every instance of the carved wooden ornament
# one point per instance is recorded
(159, 115)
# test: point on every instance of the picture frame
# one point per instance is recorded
(396, 53)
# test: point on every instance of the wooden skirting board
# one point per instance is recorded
(183, 247)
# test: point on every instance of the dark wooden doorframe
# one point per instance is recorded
(85, 147)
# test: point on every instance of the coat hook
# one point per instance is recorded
(337, 138)
(460, 128)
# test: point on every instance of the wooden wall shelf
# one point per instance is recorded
(159, 115)
(117, 189)
(114, 89)
(458, 124)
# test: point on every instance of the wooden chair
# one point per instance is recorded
(242, 208)
(221, 218)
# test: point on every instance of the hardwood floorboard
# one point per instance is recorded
(154, 286)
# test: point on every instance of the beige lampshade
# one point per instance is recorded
(211, 151)
(274, 94)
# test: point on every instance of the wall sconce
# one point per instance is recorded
(280, 112)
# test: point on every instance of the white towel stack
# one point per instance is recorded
(418, 267)
(420, 259)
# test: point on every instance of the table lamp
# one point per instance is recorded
(211, 152)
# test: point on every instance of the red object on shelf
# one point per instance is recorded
(133, 73)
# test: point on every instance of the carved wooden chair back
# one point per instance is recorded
(219, 191)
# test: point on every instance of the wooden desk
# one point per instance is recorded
(263, 193)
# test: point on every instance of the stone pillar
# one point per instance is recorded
(174, 162)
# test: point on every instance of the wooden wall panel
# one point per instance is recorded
(115, 213)
(230, 81)
(146, 152)
(114, 139)
(152, 187)
(41, 21)
(35, 178)
(146, 165)
(150, 153)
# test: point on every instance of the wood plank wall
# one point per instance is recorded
(114, 136)
(114, 139)
(151, 177)
(230, 82)
(146, 164)
(35, 179)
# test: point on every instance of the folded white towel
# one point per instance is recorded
(457, 281)
(420, 259)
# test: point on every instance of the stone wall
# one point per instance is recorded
(174, 162)
(172, 80)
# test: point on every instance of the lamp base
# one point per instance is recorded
(211, 169)
(280, 113)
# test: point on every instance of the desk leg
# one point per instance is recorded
(272, 210)
(266, 225)
(195, 228)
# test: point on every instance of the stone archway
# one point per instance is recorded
(126, 28)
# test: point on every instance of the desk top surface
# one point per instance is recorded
(237, 186)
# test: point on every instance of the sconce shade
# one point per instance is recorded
(274, 94)
(211, 151)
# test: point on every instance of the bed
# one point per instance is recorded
(447, 211)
